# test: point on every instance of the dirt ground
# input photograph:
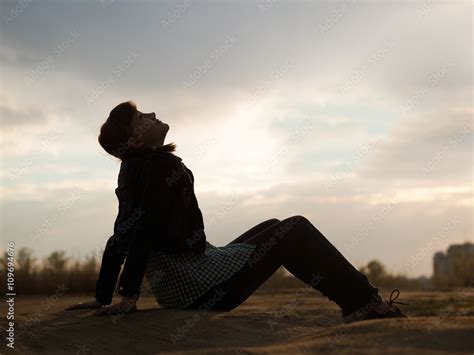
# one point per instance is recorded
(290, 321)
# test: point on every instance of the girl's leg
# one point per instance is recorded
(297, 245)
(254, 230)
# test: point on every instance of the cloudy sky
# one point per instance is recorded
(355, 114)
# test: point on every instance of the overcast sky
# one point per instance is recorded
(355, 114)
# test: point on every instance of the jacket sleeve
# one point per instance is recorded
(114, 254)
(155, 202)
(196, 238)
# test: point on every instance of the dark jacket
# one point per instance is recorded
(157, 210)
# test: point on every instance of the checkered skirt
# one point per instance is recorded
(176, 280)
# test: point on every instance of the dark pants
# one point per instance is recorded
(298, 246)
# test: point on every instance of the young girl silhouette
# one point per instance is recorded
(159, 233)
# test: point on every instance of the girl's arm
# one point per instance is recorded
(150, 199)
(116, 248)
(112, 260)
(156, 201)
(171, 217)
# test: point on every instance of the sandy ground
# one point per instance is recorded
(291, 321)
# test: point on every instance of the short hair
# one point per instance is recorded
(116, 132)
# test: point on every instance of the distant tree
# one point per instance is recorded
(375, 271)
(25, 261)
(3, 262)
(57, 262)
(3, 267)
(90, 265)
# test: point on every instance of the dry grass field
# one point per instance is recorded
(285, 322)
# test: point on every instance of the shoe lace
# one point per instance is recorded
(393, 298)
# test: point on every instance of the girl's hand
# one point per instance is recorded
(85, 305)
(127, 305)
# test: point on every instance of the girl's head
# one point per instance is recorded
(128, 130)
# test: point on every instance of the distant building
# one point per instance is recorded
(456, 266)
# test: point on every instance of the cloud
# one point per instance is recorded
(387, 88)
(378, 223)
(15, 116)
(50, 190)
(433, 146)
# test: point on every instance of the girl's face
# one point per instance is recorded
(148, 131)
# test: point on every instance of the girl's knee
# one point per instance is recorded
(291, 226)
(298, 220)
(301, 218)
